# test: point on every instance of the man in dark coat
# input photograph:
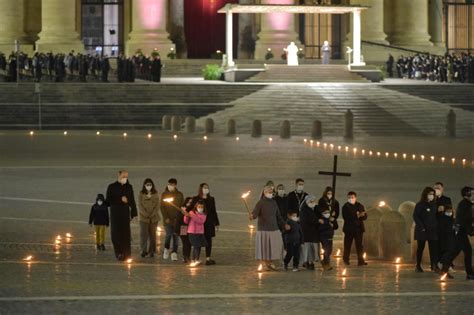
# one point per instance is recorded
(156, 69)
(390, 62)
(441, 200)
(282, 200)
(123, 209)
(296, 197)
(463, 227)
(354, 216)
(121, 68)
(105, 68)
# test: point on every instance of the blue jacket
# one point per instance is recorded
(295, 234)
(326, 230)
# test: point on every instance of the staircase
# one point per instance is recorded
(308, 73)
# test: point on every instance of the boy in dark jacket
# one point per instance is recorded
(326, 234)
(293, 240)
(445, 233)
(99, 216)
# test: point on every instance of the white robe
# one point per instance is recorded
(292, 55)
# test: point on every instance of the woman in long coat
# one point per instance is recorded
(426, 228)
(149, 205)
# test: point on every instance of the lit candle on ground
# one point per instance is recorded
(363, 152)
(311, 142)
(404, 155)
(382, 203)
(453, 160)
(28, 258)
(443, 159)
(444, 277)
(398, 260)
(270, 139)
(125, 134)
(129, 261)
(305, 140)
(68, 235)
(387, 154)
(347, 149)
(378, 154)
(98, 133)
(339, 147)
(364, 256)
(432, 158)
(58, 237)
(32, 133)
(237, 138)
(370, 153)
(175, 137)
(395, 155)
(344, 273)
(331, 146)
(318, 143)
(413, 157)
(338, 253)
(251, 226)
(260, 268)
(65, 133)
(204, 138)
(422, 157)
(149, 136)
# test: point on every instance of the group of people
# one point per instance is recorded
(446, 230)
(448, 68)
(298, 224)
(78, 67)
(194, 220)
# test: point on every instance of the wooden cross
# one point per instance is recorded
(334, 175)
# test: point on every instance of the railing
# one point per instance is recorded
(393, 47)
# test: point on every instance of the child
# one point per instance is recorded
(99, 216)
(326, 234)
(446, 234)
(195, 220)
(293, 240)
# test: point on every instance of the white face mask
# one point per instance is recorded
(123, 180)
(100, 202)
(326, 215)
(200, 210)
(449, 214)
(269, 195)
(312, 205)
(171, 187)
(299, 188)
(329, 196)
(294, 218)
(430, 198)
(438, 192)
(352, 201)
(281, 192)
(205, 191)
(148, 187)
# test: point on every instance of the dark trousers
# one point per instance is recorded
(170, 235)
(461, 243)
(433, 247)
(292, 251)
(196, 253)
(327, 246)
(209, 245)
(186, 247)
(348, 239)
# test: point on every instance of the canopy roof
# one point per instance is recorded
(288, 8)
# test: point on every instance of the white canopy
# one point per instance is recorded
(229, 9)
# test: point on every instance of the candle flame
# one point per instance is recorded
(68, 235)
(251, 227)
(149, 136)
(260, 268)
(382, 203)
(169, 200)
(344, 272)
(58, 242)
(246, 194)
(443, 277)
(205, 138)
(158, 229)
(364, 256)
(175, 137)
(398, 260)
(338, 253)
(58, 237)
(237, 138)
(193, 264)
(129, 261)
(32, 133)
(28, 258)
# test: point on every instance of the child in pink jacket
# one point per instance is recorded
(195, 220)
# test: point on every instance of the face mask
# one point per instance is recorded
(205, 191)
(352, 201)
(430, 198)
(100, 202)
(311, 205)
(329, 196)
(123, 180)
(281, 193)
(200, 210)
(294, 218)
(326, 215)
(171, 187)
(448, 214)
(148, 187)
(299, 188)
(269, 195)
(438, 192)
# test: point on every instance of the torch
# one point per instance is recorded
(244, 196)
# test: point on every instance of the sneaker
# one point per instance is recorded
(174, 257)
(166, 253)
(210, 262)
(419, 269)
(295, 269)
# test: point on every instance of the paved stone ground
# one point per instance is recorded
(49, 181)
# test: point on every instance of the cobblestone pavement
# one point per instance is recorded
(49, 181)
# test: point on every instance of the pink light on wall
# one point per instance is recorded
(151, 13)
(280, 21)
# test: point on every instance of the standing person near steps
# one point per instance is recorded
(170, 214)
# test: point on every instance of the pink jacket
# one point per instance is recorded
(195, 222)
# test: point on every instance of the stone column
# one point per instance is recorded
(277, 30)
(373, 21)
(12, 25)
(149, 21)
(410, 23)
(58, 27)
(177, 34)
(436, 22)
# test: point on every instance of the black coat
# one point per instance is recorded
(99, 214)
(353, 224)
(309, 223)
(120, 216)
(212, 219)
(334, 209)
(464, 217)
(445, 233)
(326, 229)
(282, 203)
(294, 235)
(442, 201)
(295, 201)
(425, 217)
